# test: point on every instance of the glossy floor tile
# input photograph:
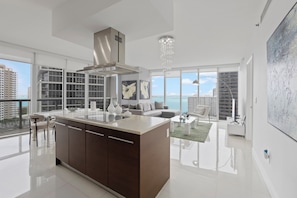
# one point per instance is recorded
(222, 167)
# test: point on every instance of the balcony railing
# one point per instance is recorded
(13, 115)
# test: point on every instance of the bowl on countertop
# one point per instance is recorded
(72, 109)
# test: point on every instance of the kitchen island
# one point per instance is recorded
(129, 156)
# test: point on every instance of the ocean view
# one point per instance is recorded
(173, 102)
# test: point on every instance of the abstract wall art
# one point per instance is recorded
(129, 90)
(144, 89)
(282, 76)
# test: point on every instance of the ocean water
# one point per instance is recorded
(173, 102)
(24, 104)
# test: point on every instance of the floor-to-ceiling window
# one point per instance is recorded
(181, 93)
(189, 90)
(173, 97)
(158, 87)
(228, 93)
(208, 90)
(50, 89)
(14, 85)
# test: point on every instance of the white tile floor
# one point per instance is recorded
(222, 167)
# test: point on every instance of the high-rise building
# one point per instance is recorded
(51, 89)
(8, 89)
(228, 90)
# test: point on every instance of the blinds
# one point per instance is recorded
(23, 54)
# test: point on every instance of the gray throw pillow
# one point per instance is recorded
(140, 106)
(159, 105)
(132, 106)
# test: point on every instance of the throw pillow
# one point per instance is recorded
(132, 106)
(159, 105)
(140, 106)
(200, 110)
(153, 106)
(125, 106)
(146, 107)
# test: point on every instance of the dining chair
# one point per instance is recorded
(51, 120)
(36, 123)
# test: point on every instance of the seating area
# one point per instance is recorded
(156, 109)
(40, 122)
(201, 111)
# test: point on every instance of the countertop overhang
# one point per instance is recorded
(135, 124)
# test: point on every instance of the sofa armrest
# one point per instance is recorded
(136, 111)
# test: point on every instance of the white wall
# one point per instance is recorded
(280, 173)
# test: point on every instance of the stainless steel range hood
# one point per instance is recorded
(109, 54)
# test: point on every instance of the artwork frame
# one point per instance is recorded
(129, 90)
(144, 87)
(282, 76)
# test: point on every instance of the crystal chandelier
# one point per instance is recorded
(167, 51)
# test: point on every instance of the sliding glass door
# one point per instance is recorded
(189, 90)
(173, 97)
(158, 88)
(208, 91)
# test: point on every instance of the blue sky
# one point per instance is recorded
(23, 75)
(207, 84)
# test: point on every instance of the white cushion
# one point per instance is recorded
(146, 107)
(200, 110)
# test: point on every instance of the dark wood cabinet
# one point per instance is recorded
(123, 163)
(77, 146)
(129, 164)
(96, 154)
(61, 140)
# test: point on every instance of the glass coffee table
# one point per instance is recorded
(187, 122)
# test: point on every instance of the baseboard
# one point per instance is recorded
(262, 172)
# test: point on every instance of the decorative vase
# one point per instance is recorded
(111, 108)
(127, 114)
(118, 109)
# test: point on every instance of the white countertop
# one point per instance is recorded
(135, 124)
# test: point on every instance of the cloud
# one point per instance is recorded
(208, 93)
(173, 94)
(187, 81)
(204, 80)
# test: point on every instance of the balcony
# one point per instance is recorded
(14, 116)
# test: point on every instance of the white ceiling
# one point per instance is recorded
(207, 32)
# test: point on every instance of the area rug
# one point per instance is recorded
(199, 133)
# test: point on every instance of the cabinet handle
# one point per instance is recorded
(120, 139)
(59, 123)
(95, 133)
(75, 128)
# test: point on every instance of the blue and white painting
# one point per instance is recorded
(282, 75)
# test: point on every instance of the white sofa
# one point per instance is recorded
(156, 109)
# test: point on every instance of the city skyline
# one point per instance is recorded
(23, 76)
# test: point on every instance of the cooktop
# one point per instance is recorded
(105, 117)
